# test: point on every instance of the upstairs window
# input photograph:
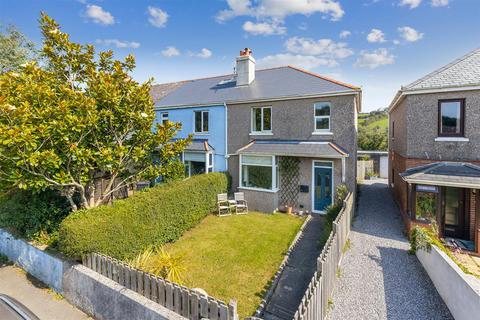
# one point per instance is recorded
(262, 120)
(322, 116)
(201, 121)
(164, 117)
(451, 118)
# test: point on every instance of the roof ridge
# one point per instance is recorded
(351, 86)
(443, 68)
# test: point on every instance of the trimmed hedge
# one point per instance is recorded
(152, 217)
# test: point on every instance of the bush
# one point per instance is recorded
(152, 217)
(333, 210)
(34, 216)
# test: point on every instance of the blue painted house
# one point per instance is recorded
(206, 123)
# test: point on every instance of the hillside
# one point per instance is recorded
(373, 130)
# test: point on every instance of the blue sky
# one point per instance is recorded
(377, 44)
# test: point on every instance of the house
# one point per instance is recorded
(285, 135)
(434, 151)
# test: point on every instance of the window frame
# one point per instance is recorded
(329, 117)
(163, 117)
(273, 166)
(202, 119)
(252, 122)
(462, 118)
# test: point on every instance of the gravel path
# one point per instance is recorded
(379, 279)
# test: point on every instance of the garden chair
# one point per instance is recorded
(223, 205)
(241, 205)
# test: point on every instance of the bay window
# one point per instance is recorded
(258, 172)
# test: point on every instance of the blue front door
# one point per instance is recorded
(322, 196)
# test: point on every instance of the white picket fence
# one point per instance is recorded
(315, 302)
(179, 299)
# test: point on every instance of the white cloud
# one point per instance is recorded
(411, 3)
(439, 3)
(324, 48)
(345, 34)
(157, 17)
(374, 59)
(98, 15)
(376, 35)
(170, 52)
(279, 9)
(204, 53)
(409, 34)
(264, 28)
(282, 59)
(118, 43)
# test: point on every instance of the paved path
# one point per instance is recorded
(35, 296)
(379, 279)
(297, 274)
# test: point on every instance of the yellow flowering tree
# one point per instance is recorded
(77, 117)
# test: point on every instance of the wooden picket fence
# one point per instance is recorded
(315, 302)
(179, 299)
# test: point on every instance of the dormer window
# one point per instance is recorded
(322, 116)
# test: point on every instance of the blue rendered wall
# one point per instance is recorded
(216, 128)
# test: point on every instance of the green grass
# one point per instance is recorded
(235, 257)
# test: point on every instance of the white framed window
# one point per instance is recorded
(209, 162)
(258, 172)
(322, 116)
(201, 122)
(262, 120)
(164, 117)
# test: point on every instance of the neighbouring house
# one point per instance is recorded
(286, 136)
(434, 151)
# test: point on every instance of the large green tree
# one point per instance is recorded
(78, 117)
(15, 49)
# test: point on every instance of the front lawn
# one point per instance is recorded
(235, 257)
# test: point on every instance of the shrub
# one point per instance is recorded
(149, 218)
(34, 216)
(333, 210)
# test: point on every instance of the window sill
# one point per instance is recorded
(266, 133)
(451, 139)
(322, 133)
(258, 189)
(201, 133)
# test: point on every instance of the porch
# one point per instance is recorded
(446, 194)
(276, 174)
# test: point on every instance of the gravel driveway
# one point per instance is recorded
(379, 279)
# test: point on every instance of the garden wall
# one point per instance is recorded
(41, 265)
(460, 291)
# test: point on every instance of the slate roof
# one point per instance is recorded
(461, 72)
(199, 145)
(159, 91)
(281, 82)
(294, 148)
(455, 174)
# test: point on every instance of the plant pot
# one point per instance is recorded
(289, 209)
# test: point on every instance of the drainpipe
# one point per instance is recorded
(343, 169)
(226, 136)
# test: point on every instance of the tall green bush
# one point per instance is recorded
(33, 215)
(153, 217)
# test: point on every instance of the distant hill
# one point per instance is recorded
(373, 130)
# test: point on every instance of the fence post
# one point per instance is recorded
(232, 310)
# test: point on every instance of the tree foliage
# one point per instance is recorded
(15, 49)
(79, 117)
(373, 131)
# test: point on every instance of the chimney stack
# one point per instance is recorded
(245, 68)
